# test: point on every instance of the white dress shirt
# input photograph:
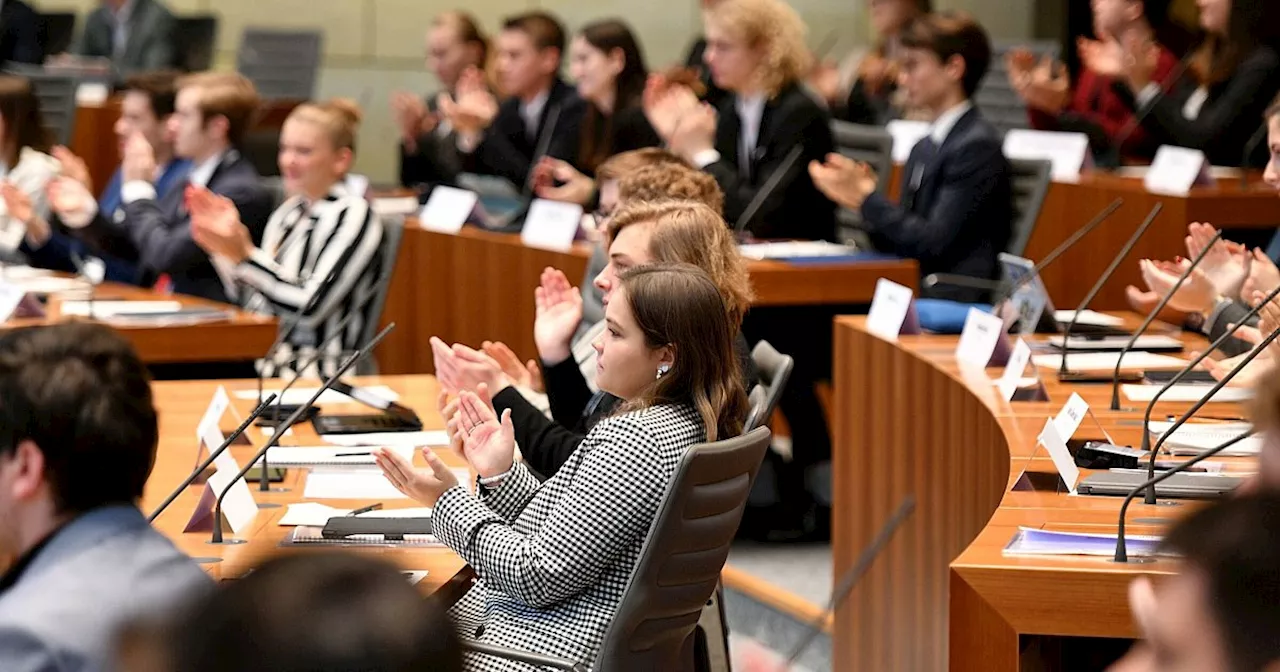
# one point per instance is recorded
(946, 121)
(120, 29)
(531, 113)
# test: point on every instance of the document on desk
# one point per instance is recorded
(1106, 361)
(1089, 317)
(106, 309)
(316, 514)
(1152, 342)
(1186, 393)
(1194, 438)
(300, 395)
(355, 483)
(1033, 541)
(325, 456)
(435, 439)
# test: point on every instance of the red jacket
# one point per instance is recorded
(1095, 101)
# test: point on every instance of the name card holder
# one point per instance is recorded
(893, 311)
(1176, 169)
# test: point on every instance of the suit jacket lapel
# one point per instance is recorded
(933, 167)
(728, 130)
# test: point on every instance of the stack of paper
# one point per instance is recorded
(317, 456)
(109, 309)
(300, 395)
(1089, 317)
(1106, 361)
(435, 438)
(1152, 342)
(1195, 438)
(359, 484)
(1186, 393)
(1032, 541)
(316, 515)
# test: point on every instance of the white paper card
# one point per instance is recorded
(1090, 317)
(905, 136)
(310, 456)
(1062, 460)
(207, 430)
(358, 484)
(395, 205)
(300, 395)
(1144, 342)
(551, 225)
(889, 306)
(1067, 152)
(447, 209)
(310, 513)
(104, 309)
(1106, 361)
(92, 94)
(11, 232)
(238, 506)
(357, 184)
(1187, 393)
(982, 332)
(1069, 418)
(431, 438)
(10, 296)
(1175, 170)
(1012, 378)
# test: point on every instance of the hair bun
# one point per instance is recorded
(347, 108)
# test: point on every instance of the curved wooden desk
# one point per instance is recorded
(942, 595)
(181, 405)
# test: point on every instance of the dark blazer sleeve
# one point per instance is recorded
(498, 155)
(1231, 314)
(21, 33)
(95, 41)
(158, 52)
(968, 176)
(105, 236)
(633, 131)
(436, 160)
(861, 107)
(567, 391)
(802, 122)
(1241, 101)
(171, 249)
(545, 445)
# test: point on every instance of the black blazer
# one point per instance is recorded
(20, 29)
(507, 152)
(547, 444)
(863, 107)
(157, 234)
(436, 160)
(631, 130)
(1229, 117)
(150, 45)
(959, 216)
(795, 209)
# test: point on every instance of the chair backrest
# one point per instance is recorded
(774, 368)
(56, 94)
(995, 97)
(195, 37)
(1030, 184)
(870, 144)
(281, 63)
(57, 29)
(392, 233)
(682, 557)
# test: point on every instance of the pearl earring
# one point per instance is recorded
(662, 370)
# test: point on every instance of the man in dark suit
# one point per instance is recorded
(956, 210)
(134, 34)
(19, 33)
(75, 454)
(211, 117)
(540, 118)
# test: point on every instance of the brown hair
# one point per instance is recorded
(339, 118)
(597, 134)
(225, 94)
(467, 30)
(677, 305)
(1252, 25)
(777, 27)
(1273, 110)
(626, 162)
(921, 7)
(951, 33)
(671, 182)
(23, 124)
(541, 27)
(160, 87)
(689, 232)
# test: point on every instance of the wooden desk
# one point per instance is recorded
(907, 420)
(243, 337)
(478, 285)
(181, 405)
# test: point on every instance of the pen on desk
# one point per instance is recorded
(363, 454)
(1207, 419)
(366, 509)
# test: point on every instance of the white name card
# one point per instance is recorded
(1069, 418)
(10, 297)
(238, 506)
(1062, 460)
(905, 136)
(1176, 169)
(551, 225)
(1067, 152)
(447, 209)
(978, 341)
(208, 431)
(1008, 383)
(889, 306)
(357, 184)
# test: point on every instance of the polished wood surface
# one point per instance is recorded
(478, 285)
(182, 404)
(908, 420)
(94, 139)
(240, 337)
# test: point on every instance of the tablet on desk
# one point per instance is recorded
(393, 416)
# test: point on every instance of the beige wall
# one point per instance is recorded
(375, 46)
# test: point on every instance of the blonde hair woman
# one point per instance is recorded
(320, 257)
(756, 52)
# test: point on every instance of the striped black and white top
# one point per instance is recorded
(319, 261)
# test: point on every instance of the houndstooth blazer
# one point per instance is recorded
(553, 559)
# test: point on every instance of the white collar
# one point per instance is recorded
(125, 11)
(946, 121)
(201, 174)
(752, 106)
(534, 107)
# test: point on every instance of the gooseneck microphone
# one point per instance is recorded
(213, 455)
(1122, 554)
(1058, 251)
(1097, 286)
(289, 422)
(770, 185)
(1151, 316)
(1141, 115)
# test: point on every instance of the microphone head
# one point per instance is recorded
(930, 280)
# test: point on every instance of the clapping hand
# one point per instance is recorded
(411, 117)
(1226, 264)
(559, 312)
(488, 443)
(139, 162)
(460, 368)
(73, 166)
(843, 180)
(1263, 277)
(422, 485)
(574, 187)
(474, 108)
(527, 375)
(665, 104)
(216, 226)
